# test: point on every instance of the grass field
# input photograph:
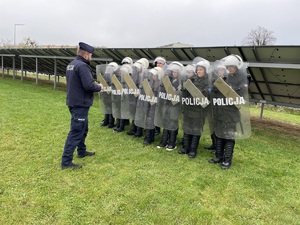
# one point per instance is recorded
(127, 183)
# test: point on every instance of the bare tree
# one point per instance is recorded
(5, 43)
(260, 36)
(27, 43)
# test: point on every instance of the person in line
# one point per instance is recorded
(168, 109)
(105, 94)
(194, 115)
(161, 62)
(219, 71)
(229, 119)
(120, 123)
(80, 95)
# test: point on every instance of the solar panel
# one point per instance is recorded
(275, 70)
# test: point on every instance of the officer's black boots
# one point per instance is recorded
(133, 129)
(172, 140)
(228, 154)
(121, 125)
(139, 132)
(194, 146)
(157, 131)
(117, 124)
(213, 142)
(105, 122)
(186, 144)
(149, 137)
(111, 122)
(164, 139)
(219, 151)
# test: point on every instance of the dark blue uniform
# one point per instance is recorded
(80, 95)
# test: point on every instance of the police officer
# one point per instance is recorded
(161, 62)
(193, 113)
(228, 116)
(120, 123)
(80, 95)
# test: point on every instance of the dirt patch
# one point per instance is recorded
(286, 129)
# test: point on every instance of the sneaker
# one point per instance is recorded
(71, 166)
(86, 154)
(161, 145)
(171, 148)
(225, 165)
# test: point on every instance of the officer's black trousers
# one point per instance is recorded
(77, 134)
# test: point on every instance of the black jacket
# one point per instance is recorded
(80, 83)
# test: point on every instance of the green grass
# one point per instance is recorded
(127, 183)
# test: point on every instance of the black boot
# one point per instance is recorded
(219, 151)
(228, 154)
(133, 129)
(139, 132)
(122, 125)
(213, 142)
(117, 124)
(173, 138)
(157, 130)
(111, 123)
(152, 133)
(194, 146)
(164, 139)
(186, 144)
(149, 137)
(105, 121)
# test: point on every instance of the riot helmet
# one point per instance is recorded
(159, 61)
(203, 64)
(233, 60)
(114, 65)
(127, 60)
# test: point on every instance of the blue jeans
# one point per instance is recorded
(77, 134)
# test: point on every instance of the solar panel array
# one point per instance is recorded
(275, 70)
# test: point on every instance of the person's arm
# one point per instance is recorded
(87, 79)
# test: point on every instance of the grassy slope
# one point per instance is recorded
(127, 183)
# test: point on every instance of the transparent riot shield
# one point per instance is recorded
(130, 91)
(195, 100)
(116, 93)
(230, 101)
(147, 100)
(104, 73)
(168, 107)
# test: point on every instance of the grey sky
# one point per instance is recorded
(144, 23)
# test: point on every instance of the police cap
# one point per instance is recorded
(85, 47)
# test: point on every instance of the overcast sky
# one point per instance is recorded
(145, 23)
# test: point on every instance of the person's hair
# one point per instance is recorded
(81, 52)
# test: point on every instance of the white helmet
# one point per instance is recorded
(126, 68)
(233, 60)
(157, 71)
(190, 68)
(159, 59)
(205, 64)
(138, 65)
(197, 59)
(113, 65)
(127, 60)
(176, 66)
(144, 62)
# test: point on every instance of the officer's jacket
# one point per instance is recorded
(80, 83)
